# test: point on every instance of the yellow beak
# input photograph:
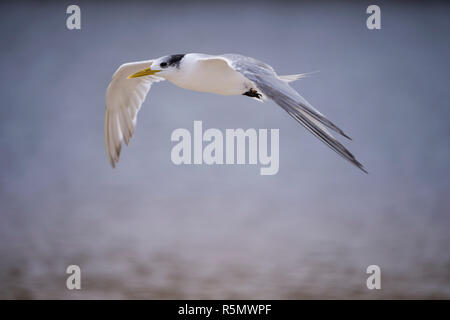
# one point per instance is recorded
(142, 73)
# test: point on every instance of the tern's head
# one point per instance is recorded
(163, 67)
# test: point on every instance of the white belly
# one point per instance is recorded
(212, 76)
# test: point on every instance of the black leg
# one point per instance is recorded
(253, 94)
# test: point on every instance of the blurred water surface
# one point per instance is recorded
(150, 229)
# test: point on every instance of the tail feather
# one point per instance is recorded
(295, 77)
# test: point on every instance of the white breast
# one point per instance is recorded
(214, 76)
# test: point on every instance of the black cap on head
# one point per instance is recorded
(174, 59)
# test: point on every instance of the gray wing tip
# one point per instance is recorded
(345, 135)
(350, 157)
(360, 166)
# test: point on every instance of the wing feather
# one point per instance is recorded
(278, 90)
(124, 98)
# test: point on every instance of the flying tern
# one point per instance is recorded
(226, 74)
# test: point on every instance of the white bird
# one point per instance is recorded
(226, 74)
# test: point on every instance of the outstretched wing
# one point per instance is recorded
(124, 98)
(278, 90)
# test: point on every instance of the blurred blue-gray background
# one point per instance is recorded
(150, 229)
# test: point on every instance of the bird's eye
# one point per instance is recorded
(163, 64)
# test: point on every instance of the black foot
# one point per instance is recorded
(253, 94)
